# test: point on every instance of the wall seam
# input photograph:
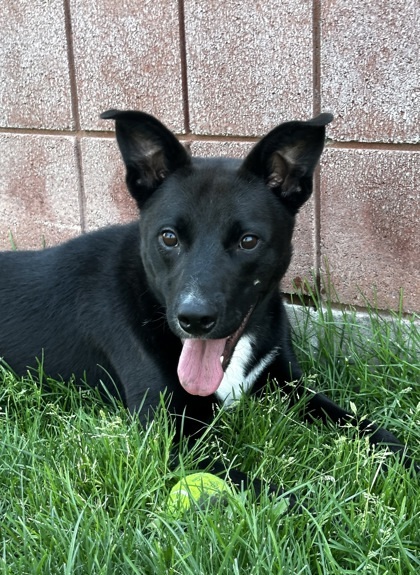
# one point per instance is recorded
(75, 111)
(184, 67)
(316, 108)
(107, 134)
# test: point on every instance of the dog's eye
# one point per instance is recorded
(169, 239)
(248, 242)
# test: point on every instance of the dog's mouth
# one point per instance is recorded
(203, 362)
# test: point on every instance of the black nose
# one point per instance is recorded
(197, 318)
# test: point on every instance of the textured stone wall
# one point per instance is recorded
(220, 73)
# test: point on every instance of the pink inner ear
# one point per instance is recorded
(274, 181)
(290, 186)
(279, 170)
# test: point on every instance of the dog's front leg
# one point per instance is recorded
(321, 407)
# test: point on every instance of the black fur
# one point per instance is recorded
(213, 243)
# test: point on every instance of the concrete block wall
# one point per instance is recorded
(220, 74)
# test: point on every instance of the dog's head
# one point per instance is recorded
(216, 233)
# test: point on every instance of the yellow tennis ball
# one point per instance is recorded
(201, 489)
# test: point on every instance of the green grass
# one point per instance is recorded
(83, 488)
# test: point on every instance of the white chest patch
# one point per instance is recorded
(235, 382)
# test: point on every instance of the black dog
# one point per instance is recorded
(187, 300)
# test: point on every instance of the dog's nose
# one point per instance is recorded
(196, 318)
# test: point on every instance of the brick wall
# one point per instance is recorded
(220, 73)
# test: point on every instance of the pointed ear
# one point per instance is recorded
(286, 158)
(150, 151)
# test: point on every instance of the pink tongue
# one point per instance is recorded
(199, 369)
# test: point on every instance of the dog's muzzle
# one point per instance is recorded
(203, 361)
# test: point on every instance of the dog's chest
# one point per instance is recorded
(242, 371)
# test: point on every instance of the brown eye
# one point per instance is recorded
(248, 242)
(169, 239)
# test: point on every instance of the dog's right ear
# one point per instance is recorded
(150, 151)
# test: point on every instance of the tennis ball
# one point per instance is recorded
(200, 489)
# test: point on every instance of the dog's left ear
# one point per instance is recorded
(286, 158)
(150, 151)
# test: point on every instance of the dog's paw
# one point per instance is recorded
(383, 438)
